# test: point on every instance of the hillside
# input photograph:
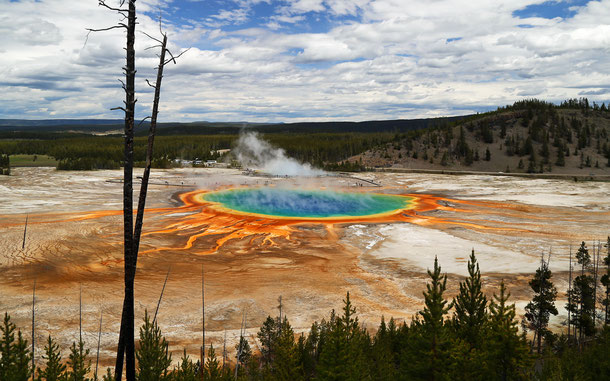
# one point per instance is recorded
(530, 136)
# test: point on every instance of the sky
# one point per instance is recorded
(304, 60)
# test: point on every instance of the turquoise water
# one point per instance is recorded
(306, 203)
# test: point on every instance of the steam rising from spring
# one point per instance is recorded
(253, 152)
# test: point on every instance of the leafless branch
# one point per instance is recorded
(142, 121)
(174, 57)
(118, 108)
(121, 25)
(151, 37)
(152, 47)
(150, 84)
(103, 4)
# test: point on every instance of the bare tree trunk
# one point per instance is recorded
(595, 267)
(224, 351)
(33, 329)
(607, 316)
(202, 314)
(149, 150)
(569, 292)
(25, 230)
(80, 314)
(161, 296)
(126, 336)
(97, 356)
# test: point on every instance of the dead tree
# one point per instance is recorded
(33, 328)
(202, 318)
(131, 231)
(97, 356)
(25, 230)
(569, 291)
(161, 296)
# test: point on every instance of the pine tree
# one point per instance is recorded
(582, 296)
(23, 358)
(427, 356)
(54, 369)
(382, 354)
(186, 370)
(244, 353)
(78, 365)
(153, 355)
(470, 306)
(109, 376)
(213, 370)
(469, 321)
(342, 354)
(506, 352)
(538, 311)
(267, 336)
(15, 355)
(605, 280)
(561, 161)
(286, 362)
(7, 356)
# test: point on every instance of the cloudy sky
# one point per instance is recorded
(295, 60)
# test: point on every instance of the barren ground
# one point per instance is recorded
(75, 229)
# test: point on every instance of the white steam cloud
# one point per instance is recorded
(253, 152)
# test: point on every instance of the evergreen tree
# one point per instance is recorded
(561, 161)
(186, 370)
(286, 365)
(470, 306)
(54, 369)
(605, 280)
(23, 358)
(582, 296)
(109, 376)
(15, 355)
(342, 355)
(506, 352)
(78, 365)
(7, 356)
(153, 355)
(469, 321)
(538, 311)
(428, 355)
(267, 336)
(382, 354)
(212, 369)
(244, 353)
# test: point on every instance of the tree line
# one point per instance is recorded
(5, 164)
(104, 152)
(469, 337)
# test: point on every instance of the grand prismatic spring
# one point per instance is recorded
(259, 238)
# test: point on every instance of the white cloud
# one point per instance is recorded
(395, 62)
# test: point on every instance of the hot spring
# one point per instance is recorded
(298, 203)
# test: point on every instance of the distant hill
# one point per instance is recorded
(55, 122)
(109, 126)
(530, 136)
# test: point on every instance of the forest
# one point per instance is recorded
(535, 134)
(471, 337)
(530, 136)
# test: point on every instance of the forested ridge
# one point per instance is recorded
(530, 136)
(471, 337)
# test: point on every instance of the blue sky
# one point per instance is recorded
(306, 60)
